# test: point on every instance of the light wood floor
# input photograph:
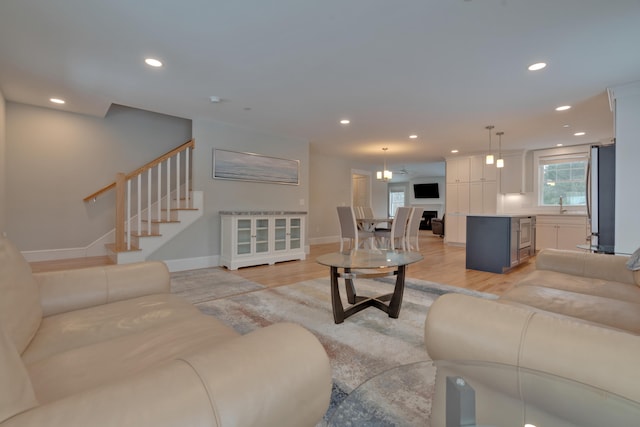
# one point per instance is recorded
(442, 264)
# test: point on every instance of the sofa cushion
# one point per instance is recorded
(615, 313)
(80, 328)
(20, 310)
(584, 285)
(16, 392)
(82, 368)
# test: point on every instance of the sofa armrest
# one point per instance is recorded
(67, 290)
(461, 327)
(275, 376)
(586, 264)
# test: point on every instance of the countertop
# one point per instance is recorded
(260, 213)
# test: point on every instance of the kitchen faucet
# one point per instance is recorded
(561, 210)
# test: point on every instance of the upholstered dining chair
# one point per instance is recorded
(349, 229)
(413, 229)
(396, 237)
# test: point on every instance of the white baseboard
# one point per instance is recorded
(96, 248)
(192, 263)
(323, 240)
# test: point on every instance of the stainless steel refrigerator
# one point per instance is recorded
(601, 201)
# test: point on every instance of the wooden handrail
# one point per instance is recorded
(151, 164)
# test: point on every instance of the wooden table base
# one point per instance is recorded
(359, 303)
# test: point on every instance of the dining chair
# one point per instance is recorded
(349, 229)
(396, 237)
(413, 228)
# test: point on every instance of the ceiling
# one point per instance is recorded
(440, 69)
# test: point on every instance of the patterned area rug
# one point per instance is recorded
(366, 347)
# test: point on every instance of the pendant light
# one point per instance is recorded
(384, 175)
(489, 158)
(500, 161)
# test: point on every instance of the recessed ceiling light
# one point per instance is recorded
(345, 121)
(563, 108)
(413, 136)
(579, 133)
(153, 62)
(558, 145)
(565, 126)
(537, 66)
(454, 151)
(57, 100)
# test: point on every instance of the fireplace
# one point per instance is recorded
(425, 224)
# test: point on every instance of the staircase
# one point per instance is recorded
(154, 203)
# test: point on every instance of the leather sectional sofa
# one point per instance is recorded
(577, 316)
(111, 346)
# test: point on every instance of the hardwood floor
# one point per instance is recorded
(442, 264)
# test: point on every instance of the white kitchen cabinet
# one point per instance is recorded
(455, 229)
(254, 238)
(512, 174)
(483, 197)
(457, 170)
(480, 171)
(457, 198)
(561, 231)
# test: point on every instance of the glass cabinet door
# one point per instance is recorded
(244, 236)
(262, 235)
(280, 239)
(295, 233)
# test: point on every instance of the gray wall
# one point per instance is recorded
(3, 166)
(203, 237)
(54, 159)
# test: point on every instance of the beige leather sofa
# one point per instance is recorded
(110, 346)
(576, 316)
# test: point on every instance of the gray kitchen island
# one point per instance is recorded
(497, 243)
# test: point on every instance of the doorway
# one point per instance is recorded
(360, 188)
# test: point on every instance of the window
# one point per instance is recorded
(396, 199)
(562, 176)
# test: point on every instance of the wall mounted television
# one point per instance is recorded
(426, 191)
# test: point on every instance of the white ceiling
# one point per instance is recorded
(443, 69)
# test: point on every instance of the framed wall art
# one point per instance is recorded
(239, 166)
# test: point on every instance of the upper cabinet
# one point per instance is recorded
(458, 169)
(480, 171)
(512, 175)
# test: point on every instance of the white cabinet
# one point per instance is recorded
(457, 198)
(455, 228)
(254, 238)
(561, 231)
(483, 197)
(480, 171)
(458, 170)
(512, 174)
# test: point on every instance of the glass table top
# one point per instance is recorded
(369, 258)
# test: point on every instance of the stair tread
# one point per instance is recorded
(146, 235)
(161, 221)
(181, 209)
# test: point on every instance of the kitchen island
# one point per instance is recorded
(497, 243)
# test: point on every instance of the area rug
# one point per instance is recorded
(364, 347)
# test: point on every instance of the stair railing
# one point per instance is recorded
(134, 200)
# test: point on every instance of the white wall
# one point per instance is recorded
(429, 204)
(627, 112)
(202, 238)
(54, 159)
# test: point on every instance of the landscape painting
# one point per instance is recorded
(254, 167)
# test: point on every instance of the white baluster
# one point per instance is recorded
(178, 179)
(128, 216)
(139, 205)
(168, 188)
(159, 201)
(187, 160)
(149, 202)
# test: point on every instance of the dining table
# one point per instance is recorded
(369, 224)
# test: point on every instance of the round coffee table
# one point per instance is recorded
(376, 263)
